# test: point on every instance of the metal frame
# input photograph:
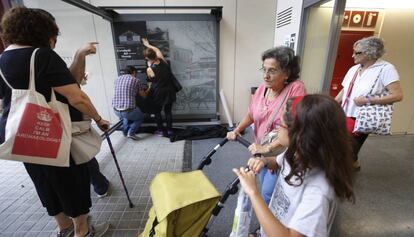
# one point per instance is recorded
(107, 15)
(216, 11)
(334, 34)
(108, 12)
(183, 17)
(333, 38)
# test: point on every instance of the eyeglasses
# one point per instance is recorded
(270, 71)
(280, 125)
(357, 53)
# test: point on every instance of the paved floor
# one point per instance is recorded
(21, 213)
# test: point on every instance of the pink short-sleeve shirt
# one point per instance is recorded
(261, 108)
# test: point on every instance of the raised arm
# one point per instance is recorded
(270, 224)
(77, 68)
(157, 50)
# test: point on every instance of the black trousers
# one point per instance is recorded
(62, 189)
(98, 180)
(358, 142)
(168, 116)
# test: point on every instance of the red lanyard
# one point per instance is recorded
(351, 86)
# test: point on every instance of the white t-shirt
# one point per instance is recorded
(309, 208)
(363, 83)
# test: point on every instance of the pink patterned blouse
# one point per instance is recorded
(261, 109)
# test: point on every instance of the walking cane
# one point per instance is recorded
(131, 205)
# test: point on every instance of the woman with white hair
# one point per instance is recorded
(360, 79)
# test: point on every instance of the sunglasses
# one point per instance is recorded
(358, 53)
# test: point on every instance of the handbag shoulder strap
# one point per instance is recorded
(351, 86)
(276, 111)
(32, 83)
(376, 80)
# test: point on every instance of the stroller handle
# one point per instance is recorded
(206, 160)
(246, 143)
(243, 141)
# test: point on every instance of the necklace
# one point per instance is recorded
(269, 99)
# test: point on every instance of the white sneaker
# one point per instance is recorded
(102, 195)
(98, 230)
(107, 193)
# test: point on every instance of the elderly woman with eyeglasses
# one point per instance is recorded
(361, 77)
(280, 69)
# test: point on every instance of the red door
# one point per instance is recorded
(344, 57)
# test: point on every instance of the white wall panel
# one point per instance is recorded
(282, 34)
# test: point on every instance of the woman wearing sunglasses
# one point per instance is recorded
(368, 72)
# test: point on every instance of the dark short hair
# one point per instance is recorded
(26, 26)
(287, 60)
(150, 54)
(130, 69)
(318, 138)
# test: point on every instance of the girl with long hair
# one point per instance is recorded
(315, 171)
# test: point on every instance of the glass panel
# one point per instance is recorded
(188, 45)
(316, 46)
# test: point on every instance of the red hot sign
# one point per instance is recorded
(365, 19)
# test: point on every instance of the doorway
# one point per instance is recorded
(344, 57)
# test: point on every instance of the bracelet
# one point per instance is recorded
(98, 120)
(369, 100)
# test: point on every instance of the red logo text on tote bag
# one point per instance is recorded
(39, 133)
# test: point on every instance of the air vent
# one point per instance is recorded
(284, 18)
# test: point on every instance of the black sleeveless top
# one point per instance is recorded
(163, 91)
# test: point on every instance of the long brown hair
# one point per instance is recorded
(318, 138)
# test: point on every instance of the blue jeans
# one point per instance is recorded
(268, 181)
(134, 115)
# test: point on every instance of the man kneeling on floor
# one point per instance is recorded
(127, 87)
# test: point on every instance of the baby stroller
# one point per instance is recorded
(185, 204)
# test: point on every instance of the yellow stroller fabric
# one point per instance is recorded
(182, 204)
